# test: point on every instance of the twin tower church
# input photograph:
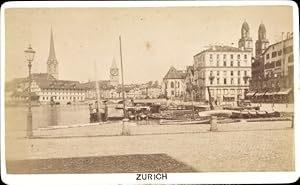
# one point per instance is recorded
(52, 65)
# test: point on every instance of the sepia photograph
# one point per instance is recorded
(148, 90)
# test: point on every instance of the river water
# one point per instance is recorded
(47, 116)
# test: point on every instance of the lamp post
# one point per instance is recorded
(29, 53)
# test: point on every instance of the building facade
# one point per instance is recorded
(173, 85)
(224, 70)
(47, 89)
(274, 73)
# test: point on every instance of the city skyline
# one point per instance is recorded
(153, 39)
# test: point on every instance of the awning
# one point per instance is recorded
(250, 93)
(284, 91)
(229, 96)
(261, 93)
(271, 93)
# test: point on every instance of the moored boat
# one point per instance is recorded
(184, 122)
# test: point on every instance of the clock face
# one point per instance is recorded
(114, 72)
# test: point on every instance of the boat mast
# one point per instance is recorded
(97, 92)
(209, 99)
(123, 93)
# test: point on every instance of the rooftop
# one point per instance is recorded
(218, 48)
(175, 74)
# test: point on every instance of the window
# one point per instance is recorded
(231, 81)
(231, 73)
(218, 81)
(288, 50)
(245, 56)
(43, 98)
(238, 56)
(210, 73)
(218, 73)
(239, 73)
(231, 63)
(225, 81)
(267, 56)
(279, 52)
(245, 73)
(226, 91)
(172, 84)
(224, 73)
(224, 63)
(291, 59)
(217, 56)
(224, 56)
(239, 63)
(278, 63)
(218, 63)
(274, 54)
(231, 56)
(210, 56)
(211, 82)
(172, 92)
(239, 80)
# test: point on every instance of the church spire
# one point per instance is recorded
(52, 64)
(52, 56)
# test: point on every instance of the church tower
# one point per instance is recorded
(114, 73)
(52, 63)
(262, 43)
(245, 41)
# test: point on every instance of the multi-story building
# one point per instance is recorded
(224, 70)
(46, 89)
(173, 85)
(106, 90)
(274, 73)
(258, 64)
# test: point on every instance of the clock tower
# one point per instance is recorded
(114, 73)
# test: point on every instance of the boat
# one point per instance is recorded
(184, 122)
(254, 114)
(273, 114)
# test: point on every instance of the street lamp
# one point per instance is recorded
(29, 53)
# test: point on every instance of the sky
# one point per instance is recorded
(153, 39)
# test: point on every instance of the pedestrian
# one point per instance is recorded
(105, 111)
(91, 113)
(95, 112)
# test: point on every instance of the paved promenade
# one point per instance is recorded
(246, 146)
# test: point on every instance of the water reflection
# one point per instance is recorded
(46, 115)
(53, 116)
